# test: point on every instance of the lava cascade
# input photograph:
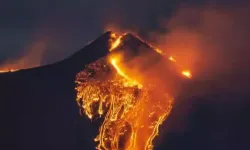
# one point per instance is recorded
(132, 112)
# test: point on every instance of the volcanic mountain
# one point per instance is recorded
(39, 111)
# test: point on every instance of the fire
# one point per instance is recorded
(113, 35)
(159, 51)
(171, 58)
(8, 70)
(132, 111)
(187, 73)
(114, 62)
(117, 42)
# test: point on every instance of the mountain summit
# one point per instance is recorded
(38, 108)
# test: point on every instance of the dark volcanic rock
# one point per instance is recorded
(39, 112)
(38, 108)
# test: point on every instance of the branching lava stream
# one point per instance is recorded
(132, 112)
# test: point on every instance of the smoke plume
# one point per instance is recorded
(32, 55)
(210, 40)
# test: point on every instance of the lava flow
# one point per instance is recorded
(132, 112)
(187, 73)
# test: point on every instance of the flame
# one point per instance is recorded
(132, 114)
(114, 61)
(171, 58)
(132, 111)
(117, 42)
(187, 73)
(159, 51)
(113, 35)
(8, 70)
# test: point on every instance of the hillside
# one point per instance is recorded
(38, 108)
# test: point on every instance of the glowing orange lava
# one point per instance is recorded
(171, 58)
(159, 51)
(114, 61)
(187, 73)
(132, 112)
(8, 70)
(117, 42)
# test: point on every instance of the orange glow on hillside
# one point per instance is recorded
(187, 73)
(159, 51)
(8, 70)
(117, 42)
(114, 61)
(171, 58)
(132, 111)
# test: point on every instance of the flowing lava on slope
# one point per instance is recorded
(116, 41)
(187, 73)
(132, 112)
(171, 58)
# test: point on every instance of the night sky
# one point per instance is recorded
(62, 27)
(46, 31)
(65, 26)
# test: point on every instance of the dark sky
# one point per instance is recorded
(64, 26)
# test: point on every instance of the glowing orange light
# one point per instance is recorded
(159, 51)
(187, 73)
(114, 62)
(171, 58)
(113, 35)
(131, 112)
(8, 70)
(117, 42)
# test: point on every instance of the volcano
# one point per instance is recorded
(39, 111)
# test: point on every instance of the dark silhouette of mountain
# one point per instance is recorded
(38, 108)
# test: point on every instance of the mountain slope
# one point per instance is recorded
(38, 108)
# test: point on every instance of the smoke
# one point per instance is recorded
(72, 24)
(32, 56)
(211, 40)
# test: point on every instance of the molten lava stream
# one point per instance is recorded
(132, 112)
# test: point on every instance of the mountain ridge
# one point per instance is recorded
(38, 109)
